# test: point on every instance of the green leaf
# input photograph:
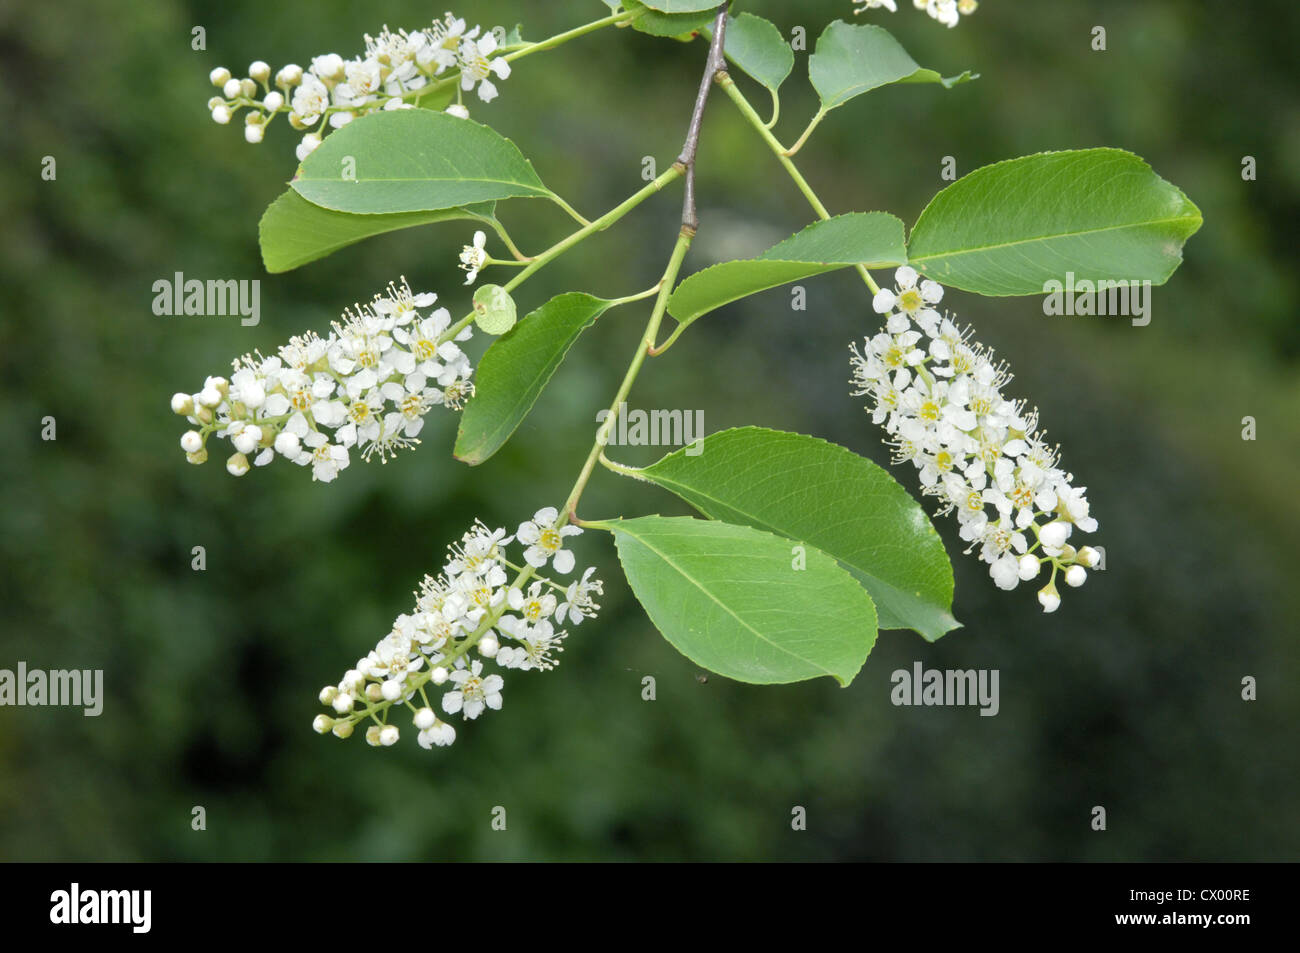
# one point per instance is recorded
(438, 99)
(413, 160)
(852, 59)
(678, 25)
(1009, 228)
(494, 309)
(874, 239)
(728, 598)
(824, 495)
(294, 232)
(681, 6)
(514, 370)
(756, 47)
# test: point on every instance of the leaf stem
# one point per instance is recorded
(559, 248)
(569, 512)
(618, 19)
(736, 96)
(816, 121)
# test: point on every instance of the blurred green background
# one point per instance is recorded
(1128, 697)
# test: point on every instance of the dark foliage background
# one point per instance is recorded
(1129, 697)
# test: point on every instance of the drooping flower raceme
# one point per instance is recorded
(366, 386)
(470, 606)
(939, 395)
(394, 72)
(947, 12)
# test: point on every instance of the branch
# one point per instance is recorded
(715, 64)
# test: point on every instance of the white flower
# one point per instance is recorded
(440, 734)
(535, 606)
(938, 395)
(474, 257)
(545, 540)
(537, 645)
(334, 90)
(371, 381)
(578, 604)
(477, 64)
(865, 5)
(473, 692)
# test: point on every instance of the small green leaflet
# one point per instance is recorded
(873, 239)
(822, 494)
(516, 368)
(1011, 227)
(414, 160)
(852, 59)
(677, 25)
(730, 599)
(293, 232)
(756, 47)
(681, 6)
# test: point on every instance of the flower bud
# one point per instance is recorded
(388, 735)
(1076, 576)
(254, 132)
(231, 89)
(247, 88)
(272, 102)
(247, 439)
(309, 144)
(457, 110)
(237, 465)
(488, 646)
(374, 693)
(259, 70)
(328, 694)
(1088, 556)
(199, 457)
(438, 675)
(1029, 567)
(290, 75)
(321, 724)
(287, 444)
(1049, 598)
(391, 690)
(342, 729)
(372, 736)
(191, 441)
(424, 719)
(1053, 535)
(182, 404)
(343, 703)
(219, 76)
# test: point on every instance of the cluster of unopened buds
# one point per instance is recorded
(367, 385)
(470, 606)
(395, 70)
(939, 395)
(947, 12)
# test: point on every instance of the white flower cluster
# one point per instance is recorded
(947, 12)
(470, 605)
(939, 395)
(391, 72)
(370, 381)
